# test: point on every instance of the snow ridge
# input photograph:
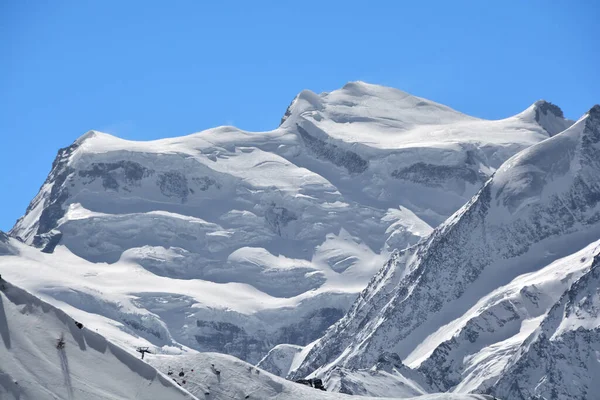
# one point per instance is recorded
(545, 195)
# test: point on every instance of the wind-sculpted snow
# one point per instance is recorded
(276, 276)
(270, 221)
(541, 205)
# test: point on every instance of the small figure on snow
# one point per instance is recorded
(60, 343)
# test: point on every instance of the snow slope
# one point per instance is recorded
(239, 380)
(460, 304)
(280, 359)
(88, 367)
(235, 241)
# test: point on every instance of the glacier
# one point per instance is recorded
(385, 243)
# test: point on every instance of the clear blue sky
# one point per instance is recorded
(151, 69)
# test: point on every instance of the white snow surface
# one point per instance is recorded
(87, 367)
(224, 377)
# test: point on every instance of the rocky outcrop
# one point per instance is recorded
(332, 153)
(279, 360)
(111, 173)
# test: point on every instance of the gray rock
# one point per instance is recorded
(173, 184)
(332, 153)
(278, 217)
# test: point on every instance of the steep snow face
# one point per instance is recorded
(560, 358)
(472, 351)
(533, 211)
(280, 359)
(34, 367)
(291, 222)
(389, 377)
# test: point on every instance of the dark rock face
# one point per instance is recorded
(111, 173)
(228, 338)
(54, 203)
(548, 108)
(387, 361)
(47, 241)
(332, 153)
(204, 183)
(224, 337)
(278, 217)
(436, 175)
(288, 112)
(311, 327)
(174, 184)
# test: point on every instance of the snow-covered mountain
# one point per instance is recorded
(34, 367)
(235, 241)
(254, 243)
(476, 307)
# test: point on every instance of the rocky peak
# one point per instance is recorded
(547, 115)
(543, 107)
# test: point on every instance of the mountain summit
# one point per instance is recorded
(270, 245)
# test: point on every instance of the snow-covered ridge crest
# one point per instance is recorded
(5, 246)
(491, 240)
(560, 358)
